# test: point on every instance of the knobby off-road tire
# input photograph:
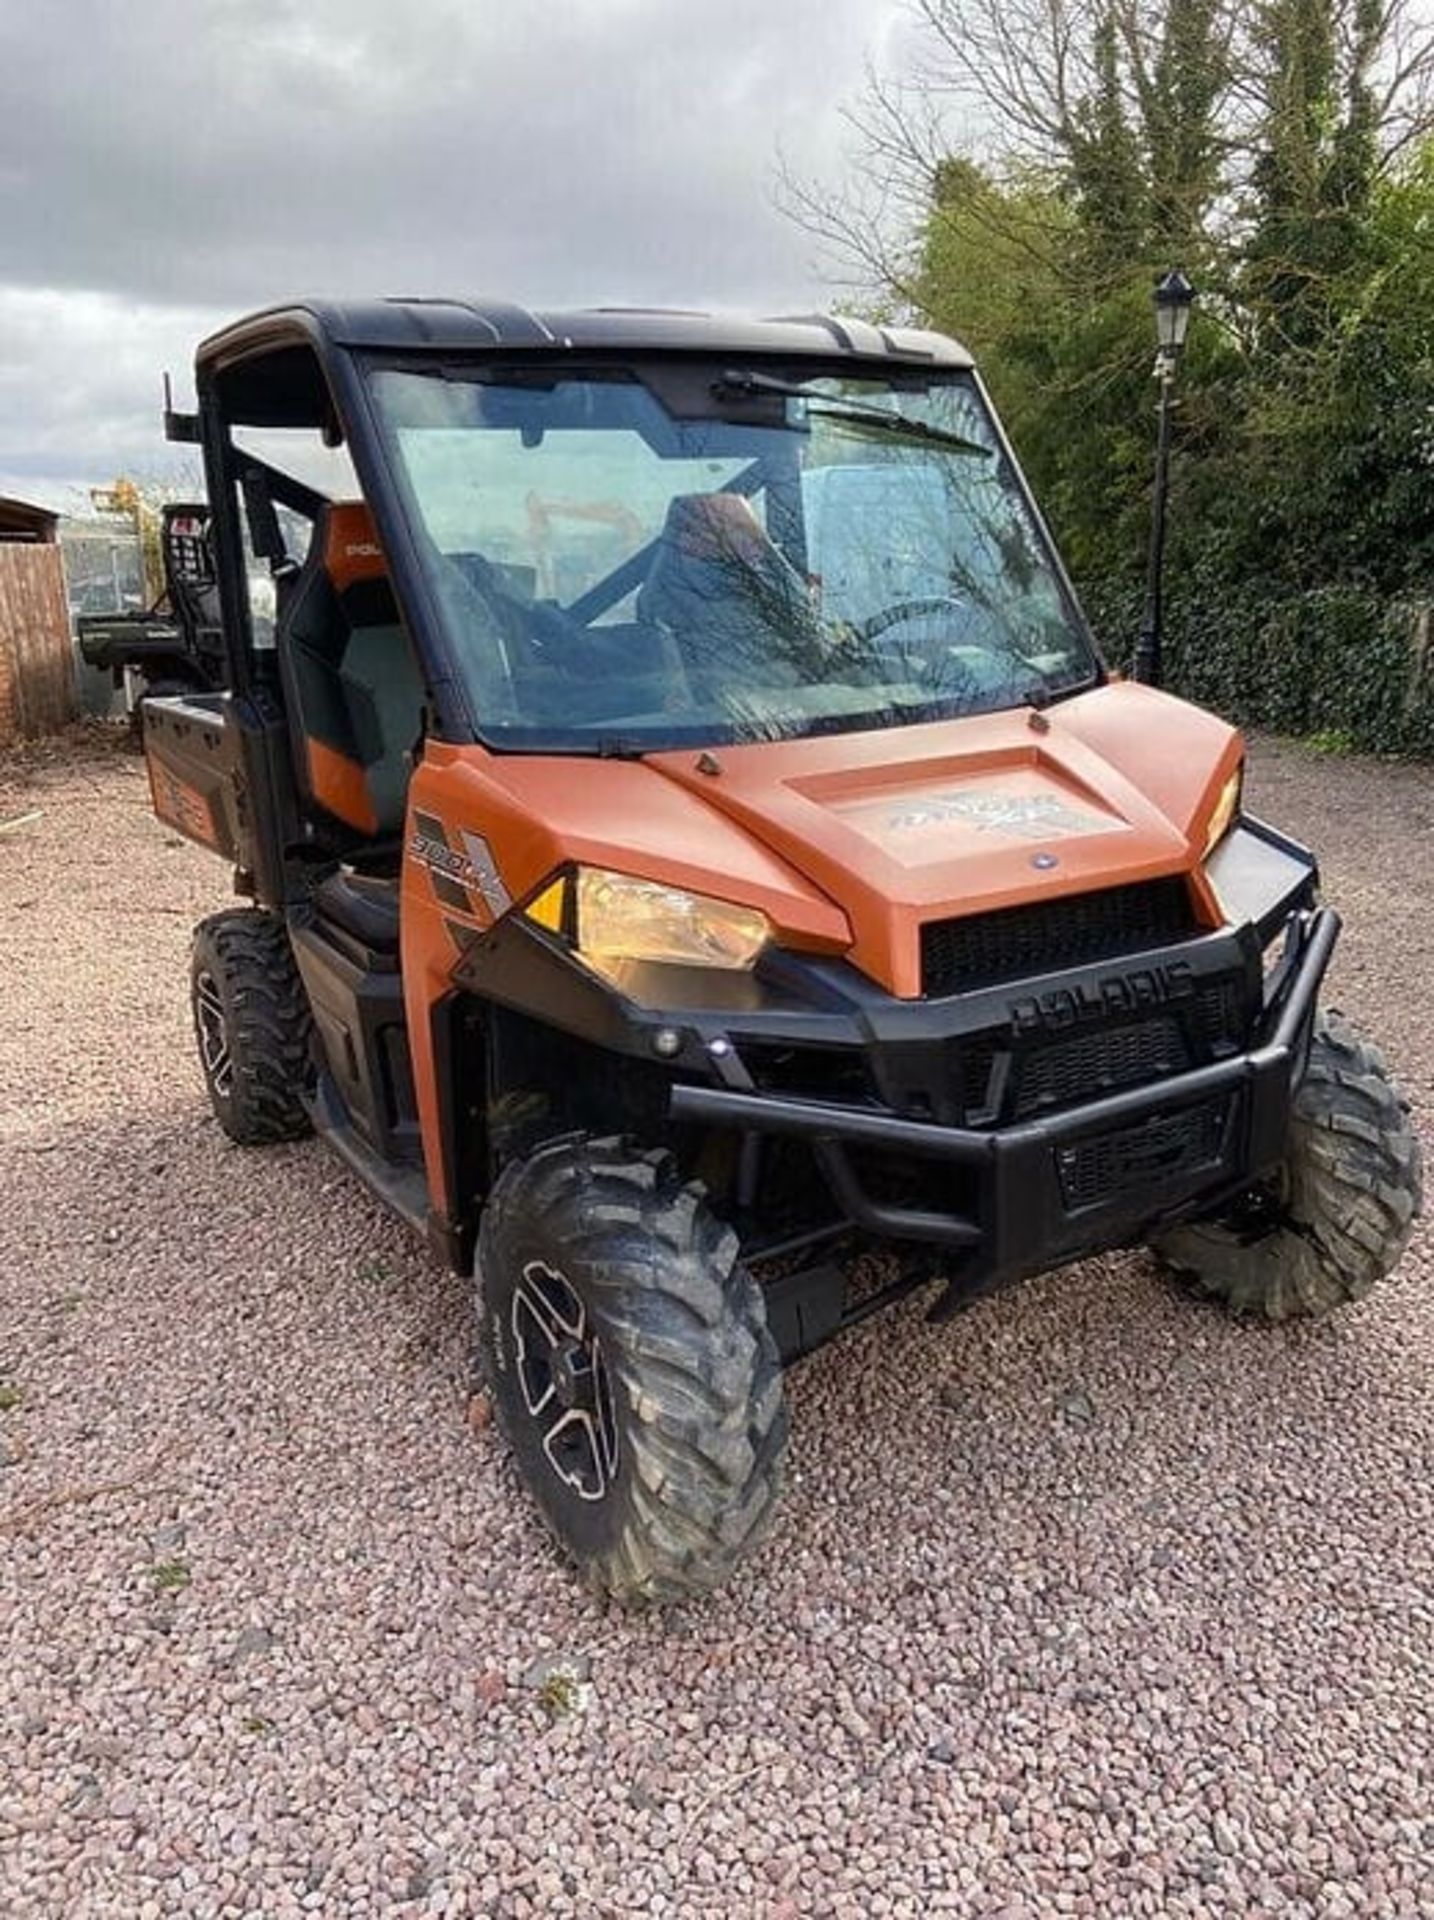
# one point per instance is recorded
(252, 1026)
(1338, 1214)
(631, 1367)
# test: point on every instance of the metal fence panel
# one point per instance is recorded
(104, 566)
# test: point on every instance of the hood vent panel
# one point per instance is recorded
(1014, 943)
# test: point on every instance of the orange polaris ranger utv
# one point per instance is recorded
(691, 834)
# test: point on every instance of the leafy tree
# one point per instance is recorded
(1340, 434)
(1316, 166)
(1283, 153)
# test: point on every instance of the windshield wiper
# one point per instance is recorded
(898, 426)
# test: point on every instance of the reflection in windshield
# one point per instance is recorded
(615, 578)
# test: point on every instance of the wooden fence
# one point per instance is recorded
(37, 663)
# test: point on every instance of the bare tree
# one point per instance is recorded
(1153, 116)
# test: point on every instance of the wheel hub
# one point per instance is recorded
(213, 1033)
(564, 1381)
(574, 1375)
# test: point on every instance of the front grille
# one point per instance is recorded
(1091, 1064)
(1094, 1171)
(1050, 935)
(1221, 1006)
(974, 1064)
(1000, 1074)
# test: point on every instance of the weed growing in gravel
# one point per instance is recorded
(171, 1576)
(1333, 740)
(10, 1396)
(562, 1692)
(374, 1271)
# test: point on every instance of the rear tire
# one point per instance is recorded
(1338, 1213)
(252, 1026)
(631, 1367)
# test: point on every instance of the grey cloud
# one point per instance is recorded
(164, 166)
(226, 152)
(80, 386)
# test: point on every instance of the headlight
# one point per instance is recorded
(1225, 811)
(620, 918)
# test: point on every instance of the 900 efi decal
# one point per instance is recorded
(464, 877)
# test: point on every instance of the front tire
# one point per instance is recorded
(631, 1367)
(1337, 1214)
(251, 1025)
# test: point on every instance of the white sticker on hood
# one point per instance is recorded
(1020, 816)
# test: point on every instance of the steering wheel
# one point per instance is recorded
(472, 607)
(960, 657)
(902, 610)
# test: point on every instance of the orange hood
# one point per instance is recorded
(853, 840)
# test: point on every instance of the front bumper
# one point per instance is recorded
(1101, 1174)
(1015, 1124)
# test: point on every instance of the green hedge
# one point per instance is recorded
(1333, 662)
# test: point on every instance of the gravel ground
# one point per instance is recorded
(1089, 1603)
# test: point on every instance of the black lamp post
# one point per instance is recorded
(1174, 297)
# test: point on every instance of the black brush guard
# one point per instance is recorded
(1096, 1176)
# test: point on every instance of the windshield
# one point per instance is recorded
(628, 563)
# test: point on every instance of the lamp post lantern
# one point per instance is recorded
(1174, 297)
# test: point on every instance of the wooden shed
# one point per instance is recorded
(21, 521)
(37, 658)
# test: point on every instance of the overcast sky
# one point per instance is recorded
(165, 166)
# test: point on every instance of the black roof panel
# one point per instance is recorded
(476, 326)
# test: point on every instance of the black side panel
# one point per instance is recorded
(543, 1082)
(460, 1055)
(356, 998)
